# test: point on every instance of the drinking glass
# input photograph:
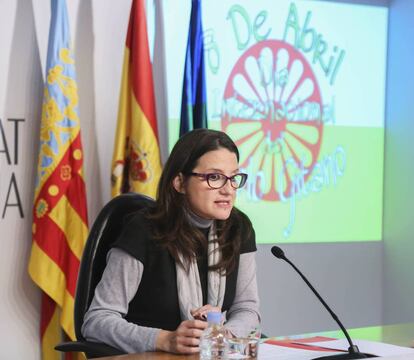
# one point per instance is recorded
(245, 347)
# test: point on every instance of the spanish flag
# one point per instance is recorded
(59, 210)
(136, 164)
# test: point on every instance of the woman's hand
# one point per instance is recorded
(201, 313)
(184, 340)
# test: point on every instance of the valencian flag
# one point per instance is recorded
(136, 163)
(193, 103)
(59, 210)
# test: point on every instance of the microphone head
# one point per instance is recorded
(278, 252)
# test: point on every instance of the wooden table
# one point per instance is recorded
(152, 356)
(400, 334)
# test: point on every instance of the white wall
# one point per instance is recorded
(20, 97)
(399, 167)
(348, 275)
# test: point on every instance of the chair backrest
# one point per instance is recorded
(104, 232)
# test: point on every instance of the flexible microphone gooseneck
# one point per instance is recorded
(353, 351)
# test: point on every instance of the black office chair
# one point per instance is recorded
(104, 232)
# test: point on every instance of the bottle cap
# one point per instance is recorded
(214, 317)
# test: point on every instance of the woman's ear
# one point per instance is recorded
(178, 183)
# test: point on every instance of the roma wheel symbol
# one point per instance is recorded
(272, 109)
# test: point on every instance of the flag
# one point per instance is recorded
(193, 102)
(136, 163)
(59, 211)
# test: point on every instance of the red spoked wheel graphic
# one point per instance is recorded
(272, 109)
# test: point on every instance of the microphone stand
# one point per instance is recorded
(353, 351)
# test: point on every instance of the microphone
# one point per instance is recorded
(353, 351)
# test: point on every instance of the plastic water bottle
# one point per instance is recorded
(213, 342)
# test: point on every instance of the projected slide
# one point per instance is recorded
(300, 87)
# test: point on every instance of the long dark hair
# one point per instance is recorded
(170, 223)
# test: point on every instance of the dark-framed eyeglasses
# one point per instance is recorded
(217, 180)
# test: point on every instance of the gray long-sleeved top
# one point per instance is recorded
(104, 321)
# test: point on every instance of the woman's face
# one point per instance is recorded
(204, 201)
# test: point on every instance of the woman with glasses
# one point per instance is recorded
(191, 253)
